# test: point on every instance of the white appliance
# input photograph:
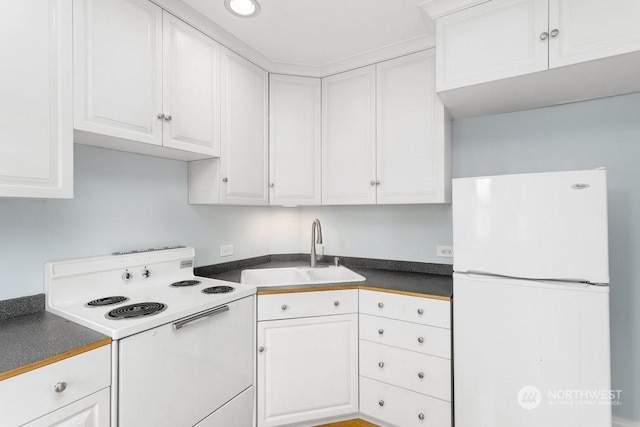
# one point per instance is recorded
(531, 301)
(183, 349)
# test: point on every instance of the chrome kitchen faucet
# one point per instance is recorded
(315, 239)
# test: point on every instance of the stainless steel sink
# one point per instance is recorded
(298, 276)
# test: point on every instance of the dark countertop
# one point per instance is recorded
(403, 281)
(34, 340)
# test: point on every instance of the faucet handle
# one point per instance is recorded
(336, 261)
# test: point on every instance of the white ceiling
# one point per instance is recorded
(318, 33)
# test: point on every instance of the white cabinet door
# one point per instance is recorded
(118, 68)
(308, 369)
(413, 165)
(36, 107)
(92, 411)
(191, 96)
(493, 41)
(294, 140)
(348, 137)
(244, 112)
(592, 29)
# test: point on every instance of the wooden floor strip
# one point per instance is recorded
(350, 423)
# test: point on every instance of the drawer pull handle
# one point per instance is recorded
(380, 305)
(284, 307)
(380, 331)
(420, 340)
(336, 303)
(420, 375)
(381, 402)
(421, 416)
(260, 349)
(60, 387)
(420, 311)
(381, 364)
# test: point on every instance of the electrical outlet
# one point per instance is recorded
(226, 250)
(444, 251)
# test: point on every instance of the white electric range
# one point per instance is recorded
(183, 349)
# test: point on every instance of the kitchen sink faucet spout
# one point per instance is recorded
(315, 239)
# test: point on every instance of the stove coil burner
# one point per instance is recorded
(106, 301)
(185, 283)
(136, 310)
(218, 290)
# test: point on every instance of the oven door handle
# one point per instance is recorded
(205, 314)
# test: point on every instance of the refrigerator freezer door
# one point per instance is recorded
(530, 355)
(534, 226)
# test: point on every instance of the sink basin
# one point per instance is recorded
(298, 276)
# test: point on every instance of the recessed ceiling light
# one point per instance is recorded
(243, 8)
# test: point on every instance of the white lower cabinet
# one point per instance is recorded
(399, 407)
(405, 359)
(72, 392)
(92, 411)
(233, 413)
(307, 366)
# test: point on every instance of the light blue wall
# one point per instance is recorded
(129, 201)
(583, 135)
(125, 201)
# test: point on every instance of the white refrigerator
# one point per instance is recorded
(531, 300)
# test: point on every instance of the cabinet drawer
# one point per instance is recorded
(32, 394)
(411, 336)
(307, 304)
(414, 371)
(425, 311)
(401, 407)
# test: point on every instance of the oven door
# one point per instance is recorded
(179, 373)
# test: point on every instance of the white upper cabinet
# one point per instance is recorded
(145, 81)
(495, 40)
(348, 137)
(592, 29)
(36, 106)
(413, 143)
(239, 176)
(244, 119)
(118, 68)
(191, 95)
(509, 55)
(386, 137)
(294, 140)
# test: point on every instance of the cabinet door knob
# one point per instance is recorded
(554, 33)
(272, 185)
(336, 303)
(380, 305)
(372, 182)
(168, 118)
(381, 402)
(225, 179)
(544, 36)
(420, 311)
(421, 416)
(381, 364)
(161, 116)
(420, 340)
(284, 307)
(260, 349)
(380, 331)
(60, 387)
(377, 182)
(420, 375)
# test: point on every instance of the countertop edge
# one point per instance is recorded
(53, 359)
(342, 287)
